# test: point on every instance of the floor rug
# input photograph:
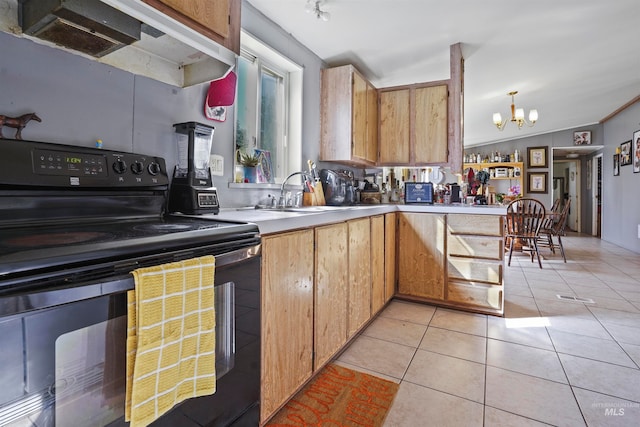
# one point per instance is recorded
(336, 397)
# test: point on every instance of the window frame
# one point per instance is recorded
(273, 63)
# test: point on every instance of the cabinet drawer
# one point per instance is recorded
(481, 225)
(475, 246)
(475, 270)
(476, 294)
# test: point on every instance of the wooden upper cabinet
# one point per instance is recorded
(217, 19)
(372, 124)
(431, 124)
(414, 125)
(359, 117)
(348, 117)
(394, 127)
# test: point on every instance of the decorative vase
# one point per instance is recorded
(250, 174)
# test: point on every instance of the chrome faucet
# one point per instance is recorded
(282, 201)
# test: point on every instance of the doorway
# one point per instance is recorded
(595, 181)
(566, 178)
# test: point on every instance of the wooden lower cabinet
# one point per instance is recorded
(330, 305)
(287, 317)
(378, 297)
(359, 305)
(454, 260)
(421, 255)
(389, 256)
(475, 262)
(319, 287)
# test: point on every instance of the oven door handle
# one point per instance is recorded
(239, 255)
(29, 301)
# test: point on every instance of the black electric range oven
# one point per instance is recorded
(74, 223)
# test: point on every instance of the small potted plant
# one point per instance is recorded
(249, 163)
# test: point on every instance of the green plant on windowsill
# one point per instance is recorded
(249, 160)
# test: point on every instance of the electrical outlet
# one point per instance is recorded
(216, 163)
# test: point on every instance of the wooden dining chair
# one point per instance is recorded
(524, 220)
(554, 226)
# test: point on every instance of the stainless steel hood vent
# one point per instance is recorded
(88, 26)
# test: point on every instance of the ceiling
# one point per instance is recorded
(575, 61)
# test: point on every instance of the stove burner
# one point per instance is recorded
(172, 227)
(49, 239)
(164, 227)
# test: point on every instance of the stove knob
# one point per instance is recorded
(154, 168)
(119, 166)
(137, 168)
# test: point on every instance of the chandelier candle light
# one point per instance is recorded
(517, 115)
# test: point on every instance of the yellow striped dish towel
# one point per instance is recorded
(170, 338)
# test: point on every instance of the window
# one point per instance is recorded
(268, 113)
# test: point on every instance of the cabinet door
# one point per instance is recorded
(345, 136)
(372, 124)
(377, 263)
(359, 119)
(431, 125)
(287, 316)
(359, 274)
(394, 127)
(216, 19)
(421, 255)
(389, 256)
(331, 275)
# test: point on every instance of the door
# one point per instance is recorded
(330, 304)
(421, 255)
(287, 299)
(394, 127)
(359, 305)
(573, 220)
(596, 199)
(431, 125)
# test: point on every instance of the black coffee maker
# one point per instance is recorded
(192, 190)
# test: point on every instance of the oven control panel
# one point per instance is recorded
(57, 165)
(50, 162)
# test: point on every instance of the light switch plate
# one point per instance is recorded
(216, 163)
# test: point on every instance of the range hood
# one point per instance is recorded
(88, 26)
(127, 34)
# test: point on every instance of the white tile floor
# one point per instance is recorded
(547, 362)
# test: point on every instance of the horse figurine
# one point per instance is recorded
(17, 122)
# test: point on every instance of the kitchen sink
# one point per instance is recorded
(301, 209)
(313, 208)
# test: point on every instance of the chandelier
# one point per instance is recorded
(517, 115)
(314, 6)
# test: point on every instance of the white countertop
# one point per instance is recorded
(274, 221)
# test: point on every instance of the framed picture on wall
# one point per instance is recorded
(625, 153)
(582, 137)
(616, 164)
(537, 182)
(537, 157)
(635, 154)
